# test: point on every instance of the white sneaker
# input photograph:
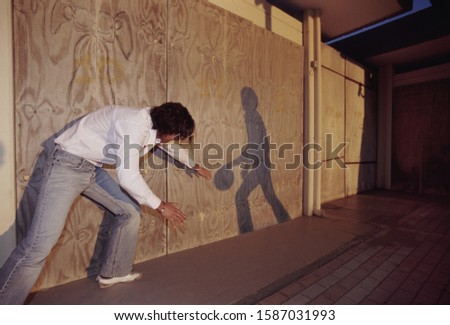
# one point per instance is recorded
(108, 282)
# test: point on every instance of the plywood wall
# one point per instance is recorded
(349, 116)
(224, 67)
(74, 57)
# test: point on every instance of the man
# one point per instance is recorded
(110, 135)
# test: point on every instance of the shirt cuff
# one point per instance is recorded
(153, 201)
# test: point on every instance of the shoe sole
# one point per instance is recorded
(107, 285)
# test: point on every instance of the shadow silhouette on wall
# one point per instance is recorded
(254, 163)
(2, 154)
(368, 151)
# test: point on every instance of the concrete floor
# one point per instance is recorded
(283, 263)
(406, 263)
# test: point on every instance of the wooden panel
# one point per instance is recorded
(361, 135)
(333, 124)
(350, 114)
(355, 72)
(137, 53)
(333, 110)
(70, 59)
(332, 60)
(361, 123)
(197, 79)
(360, 178)
(278, 84)
(239, 75)
(333, 181)
(219, 66)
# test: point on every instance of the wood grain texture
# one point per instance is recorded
(333, 110)
(360, 178)
(350, 115)
(278, 83)
(225, 56)
(333, 127)
(196, 78)
(239, 81)
(70, 59)
(333, 60)
(361, 123)
(333, 181)
(241, 84)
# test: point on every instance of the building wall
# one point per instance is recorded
(7, 169)
(421, 133)
(349, 116)
(74, 57)
(265, 15)
(241, 83)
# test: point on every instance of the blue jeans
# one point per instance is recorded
(66, 177)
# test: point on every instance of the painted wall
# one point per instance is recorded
(7, 169)
(74, 57)
(349, 116)
(265, 15)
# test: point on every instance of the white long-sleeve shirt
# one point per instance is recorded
(119, 135)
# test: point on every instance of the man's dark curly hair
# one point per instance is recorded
(172, 118)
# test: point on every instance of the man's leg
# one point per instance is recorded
(65, 178)
(99, 254)
(120, 248)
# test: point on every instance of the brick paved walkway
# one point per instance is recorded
(407, 262)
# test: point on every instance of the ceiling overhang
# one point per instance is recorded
(341, 17)
(418, 40)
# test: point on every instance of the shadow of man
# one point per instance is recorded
(257, 172)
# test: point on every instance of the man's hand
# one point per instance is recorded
(169, 211)
(203, 172)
